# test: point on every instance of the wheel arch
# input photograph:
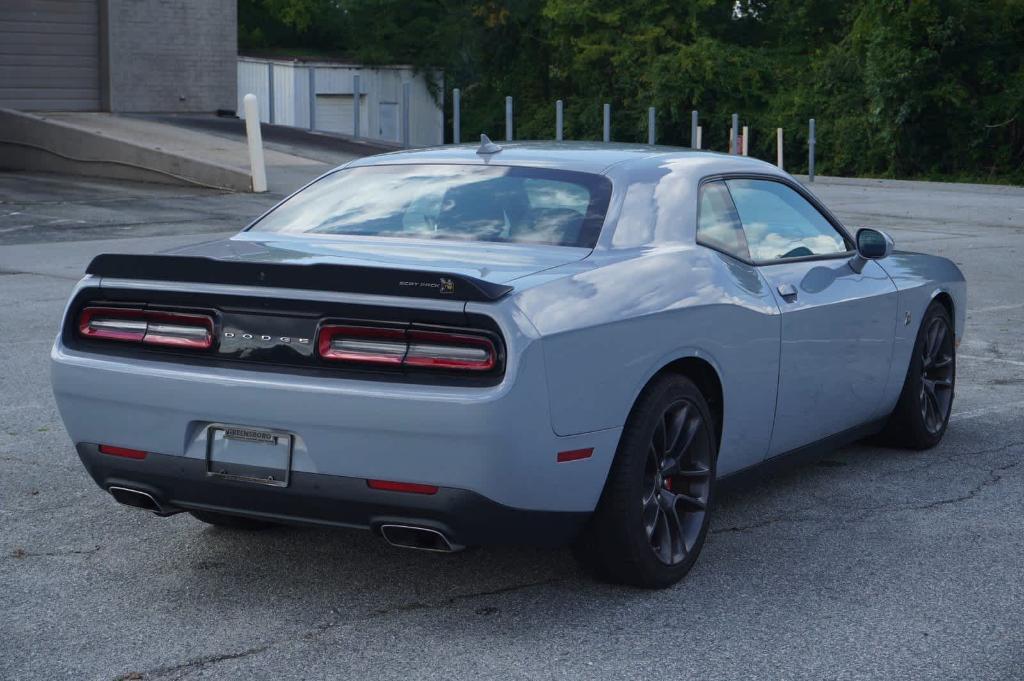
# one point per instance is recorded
(944, 298)
(705, 375)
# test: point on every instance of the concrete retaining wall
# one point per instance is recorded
(31, 142)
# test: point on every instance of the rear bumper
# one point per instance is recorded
(495, 442)
(464, 517)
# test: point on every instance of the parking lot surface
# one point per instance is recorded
(871, 563)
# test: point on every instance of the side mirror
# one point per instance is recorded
(872, 244)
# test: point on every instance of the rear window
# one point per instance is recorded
(461, 202)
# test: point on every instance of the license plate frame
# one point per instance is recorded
(249, 437)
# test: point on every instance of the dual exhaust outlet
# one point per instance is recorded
(402, 536)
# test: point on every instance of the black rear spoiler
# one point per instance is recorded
(316, 277)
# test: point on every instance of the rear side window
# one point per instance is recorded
(779, 223)
(447, 201)
(718, 223)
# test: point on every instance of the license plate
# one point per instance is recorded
(249, 454)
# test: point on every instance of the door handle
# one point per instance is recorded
(786, 290)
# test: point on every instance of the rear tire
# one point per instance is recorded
(920, 418)
(652, 519)
(233, 522)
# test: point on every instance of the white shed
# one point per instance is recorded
(289, 90)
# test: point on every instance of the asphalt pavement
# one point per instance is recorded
(871, 563)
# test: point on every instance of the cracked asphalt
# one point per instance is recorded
(870, 563)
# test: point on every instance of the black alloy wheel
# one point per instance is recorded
(652, 519)
(936, 394)
(677, 482)
(922, 413)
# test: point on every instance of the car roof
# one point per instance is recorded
(588, 157)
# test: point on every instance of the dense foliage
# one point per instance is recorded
(898, 87)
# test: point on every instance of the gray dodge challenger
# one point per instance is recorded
(534, 343)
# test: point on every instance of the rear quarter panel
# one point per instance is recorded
(606, 331)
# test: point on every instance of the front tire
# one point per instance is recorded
(652, 519)
(920, 418)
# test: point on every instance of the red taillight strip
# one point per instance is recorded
(407, 347)
(176, 329)
(427, 349)
(378, 345)
(412, 487)
(152, 327)
(101, 322)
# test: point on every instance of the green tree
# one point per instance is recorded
(898, 87)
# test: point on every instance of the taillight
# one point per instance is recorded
(112, 324)
(362, 344)
(443, 350)
(454, 350)
(152, 327)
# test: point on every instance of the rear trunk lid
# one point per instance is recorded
(149, 306)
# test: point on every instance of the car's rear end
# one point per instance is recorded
(306, 388)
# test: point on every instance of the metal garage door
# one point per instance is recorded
(334, 113)
(49, 55)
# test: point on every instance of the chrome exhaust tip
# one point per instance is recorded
(419, 538)
(138, 499)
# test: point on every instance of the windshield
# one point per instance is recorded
(464, 202)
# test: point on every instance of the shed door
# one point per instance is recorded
(388, 121)
(335, 113)
(49, 55)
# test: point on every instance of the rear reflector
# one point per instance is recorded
(123, 451)
(574, 455)
(454, 350)
(412, 487)
(151, 327)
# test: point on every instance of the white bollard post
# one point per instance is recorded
(558, 120)
(255, 138)
(700, 135)
(651, 115)
(746, 141)
(508, 118)
(778, 144)
(607, 127)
